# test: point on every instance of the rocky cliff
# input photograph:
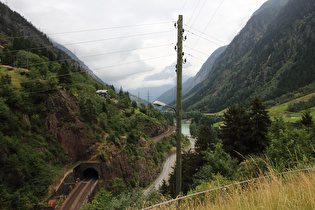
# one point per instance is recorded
(71, 133)
(74, 137)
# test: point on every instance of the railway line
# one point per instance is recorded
(79, 194)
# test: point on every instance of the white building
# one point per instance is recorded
(103, 93)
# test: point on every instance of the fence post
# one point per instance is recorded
(223, 195)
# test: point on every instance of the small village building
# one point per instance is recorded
(103, 93)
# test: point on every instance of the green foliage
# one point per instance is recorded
(102, 156)
(25, 177)
(199, 120)
(245, 133)
(217, 181)
(216, 162)
(307, 119)
(206, 140)
(64, 74)
(302, 105)
(88, 112)
(290, 146)
(235, 133)
(36, 64)
(166, 144)
(252, 167)
(118, 187)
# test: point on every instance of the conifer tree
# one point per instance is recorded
(236, 131)
(205, 140)
(259, 123)
(307, 119)
(64, 74)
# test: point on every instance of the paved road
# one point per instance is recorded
(167, 169)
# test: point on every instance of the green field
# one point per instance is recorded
(280, 111)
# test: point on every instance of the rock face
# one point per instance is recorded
(67, 128)
(153, 130)
(140, 170)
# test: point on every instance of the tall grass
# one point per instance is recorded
(287, 191)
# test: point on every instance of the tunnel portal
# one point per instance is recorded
(88, 170)
(90, 173)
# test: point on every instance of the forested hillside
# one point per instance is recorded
(51, 117)
(271, 58)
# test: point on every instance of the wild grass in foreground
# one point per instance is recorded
(288, 191)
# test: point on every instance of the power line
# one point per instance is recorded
(183, 7)
(109, 28)
(107, 39)
(121, 37)
(194, 11)
(204, 34)
(200, 36)
(202, 7)
(209, 22)
(136, 49)
(122, 64)
(89, 30)
(195, 57)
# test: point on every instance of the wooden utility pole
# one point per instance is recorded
(178, 166)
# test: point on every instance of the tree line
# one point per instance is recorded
(246, 144)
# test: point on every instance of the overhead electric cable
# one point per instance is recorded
(108, 28)
(202, 7)
(122, 64)
(121, 37)
(87, 30)
(197, 50)
(194, 11)
(203, 38)
(195, 57)
(136, 49)
(183, 7)
(203, 34)
(209, 21)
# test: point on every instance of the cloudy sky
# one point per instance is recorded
(130, 44)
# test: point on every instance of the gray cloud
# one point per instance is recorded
(149, 64)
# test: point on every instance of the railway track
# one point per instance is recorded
(79, 195)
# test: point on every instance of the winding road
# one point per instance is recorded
(167, 169)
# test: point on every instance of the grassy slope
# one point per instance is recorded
(289, 191)
(280, 110)
(15, 74)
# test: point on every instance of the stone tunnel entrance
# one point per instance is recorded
(88, 170)
(90, 173)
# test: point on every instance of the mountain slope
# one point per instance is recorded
(50, 116)
(270, 57)
(168, 96)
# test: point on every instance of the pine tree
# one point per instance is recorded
(64, 74)
(307, 119)
(205, 140)
(259, 123)
(236, 131)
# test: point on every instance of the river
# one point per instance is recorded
(185, 128)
